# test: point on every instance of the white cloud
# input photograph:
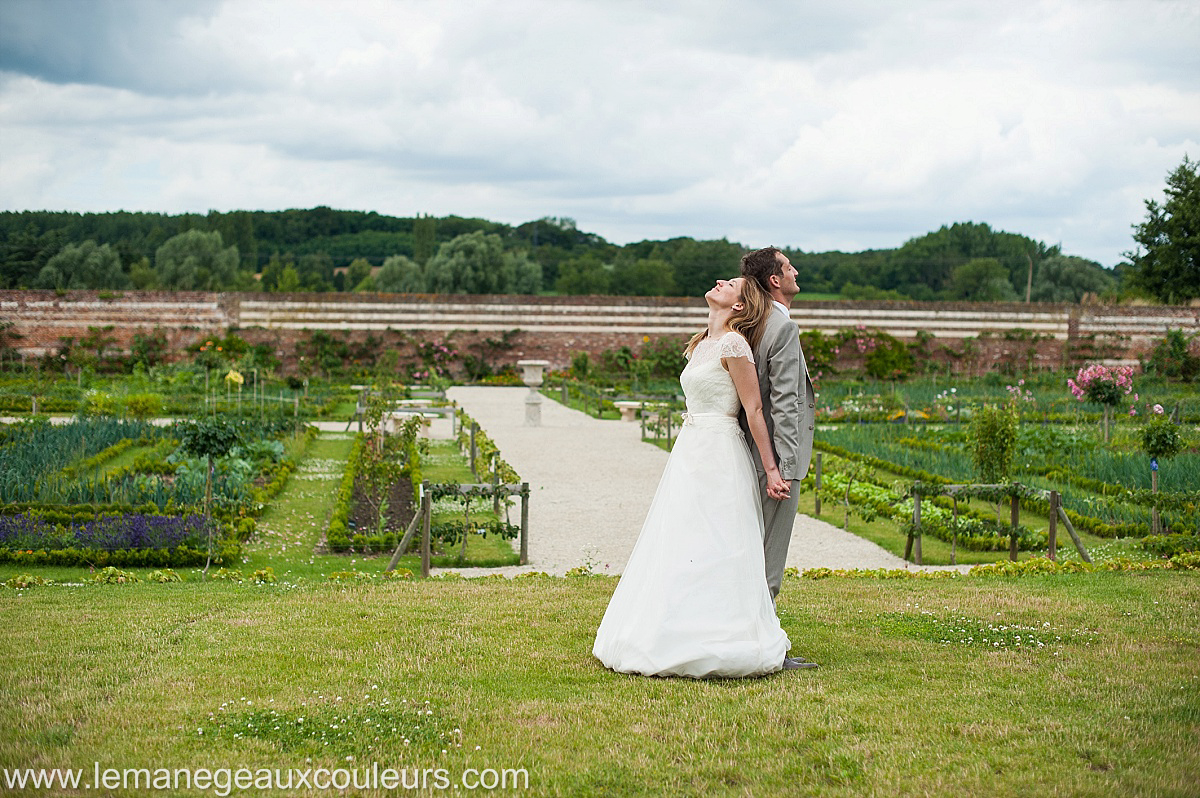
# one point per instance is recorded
(817, 125)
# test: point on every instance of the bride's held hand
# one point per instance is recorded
(778, 488)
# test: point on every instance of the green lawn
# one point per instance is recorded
(293, 523)
(122, 460)
(914, 697)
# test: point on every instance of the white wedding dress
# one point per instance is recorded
(693, 600)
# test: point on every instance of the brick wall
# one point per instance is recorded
(552, 328)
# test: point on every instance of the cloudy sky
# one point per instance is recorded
(821, 125)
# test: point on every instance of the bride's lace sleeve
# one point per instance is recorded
(734, 345)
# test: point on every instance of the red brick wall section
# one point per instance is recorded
(42, 318)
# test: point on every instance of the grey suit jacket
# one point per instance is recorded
(789, 402)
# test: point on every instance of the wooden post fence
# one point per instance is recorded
(426, 521)
(954, 536)
(524, 523)
(424, 518)
(914, 536)
(474, 451)
(1052, 533)
(496, 484)
(1015, 528)
(912, 548)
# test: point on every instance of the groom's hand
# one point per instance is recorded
(779, 489)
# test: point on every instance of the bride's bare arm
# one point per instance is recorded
(745, 379)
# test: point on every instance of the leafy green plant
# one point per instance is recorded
(581, 364)
(264, 576)
(1160, 438)
(350, 575)
(1172, 357)
(994, 431)
(163, 576)
(891, 359)
(23, 581)
(143, 406)
(1168, 546)
(210, 439)
(113, 576)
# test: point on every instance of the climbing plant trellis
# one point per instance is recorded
(424, 516)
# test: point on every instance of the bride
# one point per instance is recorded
(693, 600)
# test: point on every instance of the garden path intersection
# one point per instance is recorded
(591, 484)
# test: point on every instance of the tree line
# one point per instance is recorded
(322, 249)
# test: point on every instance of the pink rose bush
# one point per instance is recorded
(1101, 384)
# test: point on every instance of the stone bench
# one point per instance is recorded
(628, 409)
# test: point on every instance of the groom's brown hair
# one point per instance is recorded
(760, 264)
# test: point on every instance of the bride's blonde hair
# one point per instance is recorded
(750, 321)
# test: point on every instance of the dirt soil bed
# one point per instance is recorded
(399, 513)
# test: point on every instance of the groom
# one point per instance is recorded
(788, 403)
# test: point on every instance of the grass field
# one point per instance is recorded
(1071, 685)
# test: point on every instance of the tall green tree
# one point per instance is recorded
(643, 277)
(25, 251)
(196, 261)
(359, 270)
(289, 280)
(83, 265)
(424, 238)
(210, 439)
(316, 271)
(476, 263)
(924, 266)
(521, 275)
(981, 280)
(1062, 278)
(142, 275)
(584, 275)
(699, 264)
(273, 271)
(1167, 262)
(401, 275)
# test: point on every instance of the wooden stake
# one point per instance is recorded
(426, 519)
(1155, 521)
(408, 536)
(1062, 514)
(1052, 553)
(954, 535)
(1012, 535)
(524, 523)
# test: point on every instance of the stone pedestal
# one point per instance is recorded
(532, 371)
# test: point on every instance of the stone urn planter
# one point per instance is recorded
(533, 372)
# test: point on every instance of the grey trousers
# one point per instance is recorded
(778, 517)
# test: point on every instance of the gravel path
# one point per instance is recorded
(591, 484)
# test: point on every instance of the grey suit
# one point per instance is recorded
(788, 408)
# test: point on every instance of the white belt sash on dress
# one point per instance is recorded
(717, 421)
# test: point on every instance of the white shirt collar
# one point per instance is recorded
(782, 307)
